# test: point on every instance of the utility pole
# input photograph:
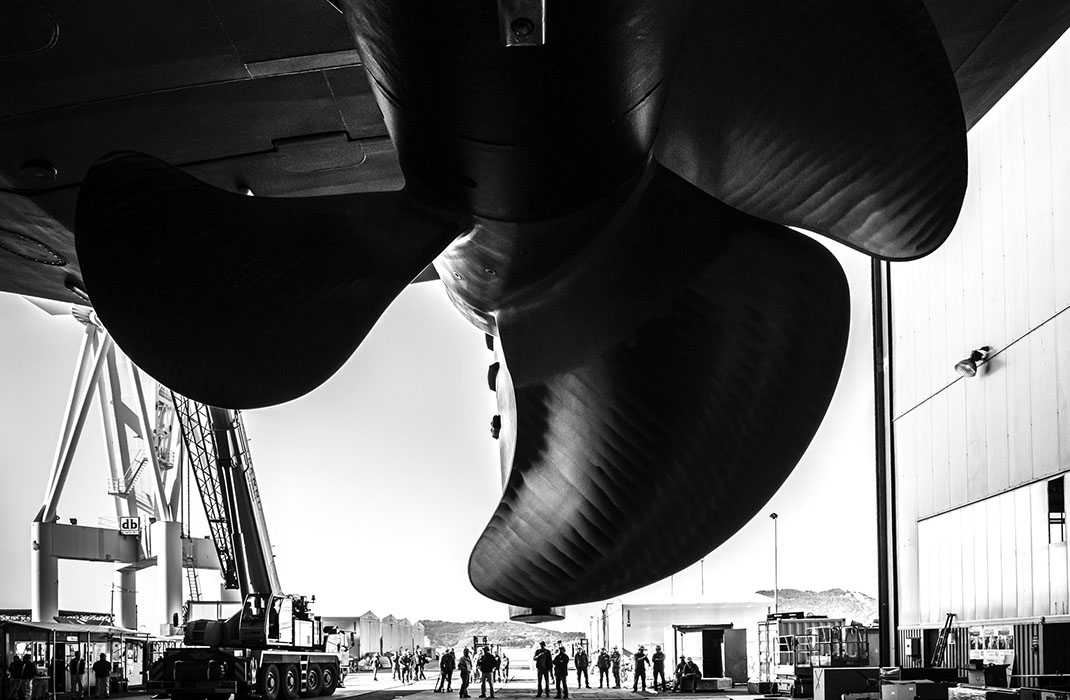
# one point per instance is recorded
(776, 583)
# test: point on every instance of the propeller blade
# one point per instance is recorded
(242, 301)
(841, 117)
(681, 423)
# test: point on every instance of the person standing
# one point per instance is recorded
(486, 670)
(561, 672)
(505, 668)
(375, 666)
(543, 664)
(396, 663)
(446, 665)
(614, 660)
(76, 666)
(640, 659)
(29, 672)
(582, 662)
(658, 659)
(603, 667)
(465, 667)
(101, 674)
(14, 682)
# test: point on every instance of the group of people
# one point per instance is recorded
(408, 667)
(20, 674)
(492, 666)
(22, 670)
(686, 676)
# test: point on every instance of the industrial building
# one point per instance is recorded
(370, 634)
(721, 637)
(981, 450)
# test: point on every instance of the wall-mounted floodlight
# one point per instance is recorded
(968, 367)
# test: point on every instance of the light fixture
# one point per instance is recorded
(968, 367)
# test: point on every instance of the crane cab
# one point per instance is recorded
(273, 620)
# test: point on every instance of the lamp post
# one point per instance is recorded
(776, 584)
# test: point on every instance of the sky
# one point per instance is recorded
(377, 484)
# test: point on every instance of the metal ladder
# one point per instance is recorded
(941, 642)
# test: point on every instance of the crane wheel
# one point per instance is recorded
(329, 682)
(291, 682)
(313, 681)
(270, 682)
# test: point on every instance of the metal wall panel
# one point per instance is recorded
(1014, 266)
(990, 511)
(1020, 436)
(1023, 548)
(928, 537)
(1062, 378)
(923, 460)
(1038, 526)
(976, 539)
(968, 608)
(1037, 181)
(1057, 569)
(955, 561)
(1043, 400)
(1058, 67)
(1008, 545)
(940, 460)
(906, 522)
(956, 427)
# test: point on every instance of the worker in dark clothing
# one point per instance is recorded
(561, 672)
(603, 667)
(614, 659)
(14, 683)
(102, 673)
(446, 664)
(680, 674)
(582, 662)
(487, 664)
(464, 665)
(76, 668)
(543, 663)
(658, 659)
(640, 660)
(690, 676)
(28, 673)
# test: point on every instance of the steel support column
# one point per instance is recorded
(126, 591)
(44, 575)
(167, 546)
(887, 567)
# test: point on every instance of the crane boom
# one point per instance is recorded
(223, 470)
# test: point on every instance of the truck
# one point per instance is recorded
(274, 648)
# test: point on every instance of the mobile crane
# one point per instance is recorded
(274, 648)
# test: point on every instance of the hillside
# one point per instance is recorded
(834, 602)
(511, 634)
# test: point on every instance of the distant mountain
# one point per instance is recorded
(834, 602)
(510, 634)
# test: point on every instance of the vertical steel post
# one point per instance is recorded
(887, 573)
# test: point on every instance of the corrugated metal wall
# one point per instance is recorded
(992, 559)
(1000, 280)
(1027, 662)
